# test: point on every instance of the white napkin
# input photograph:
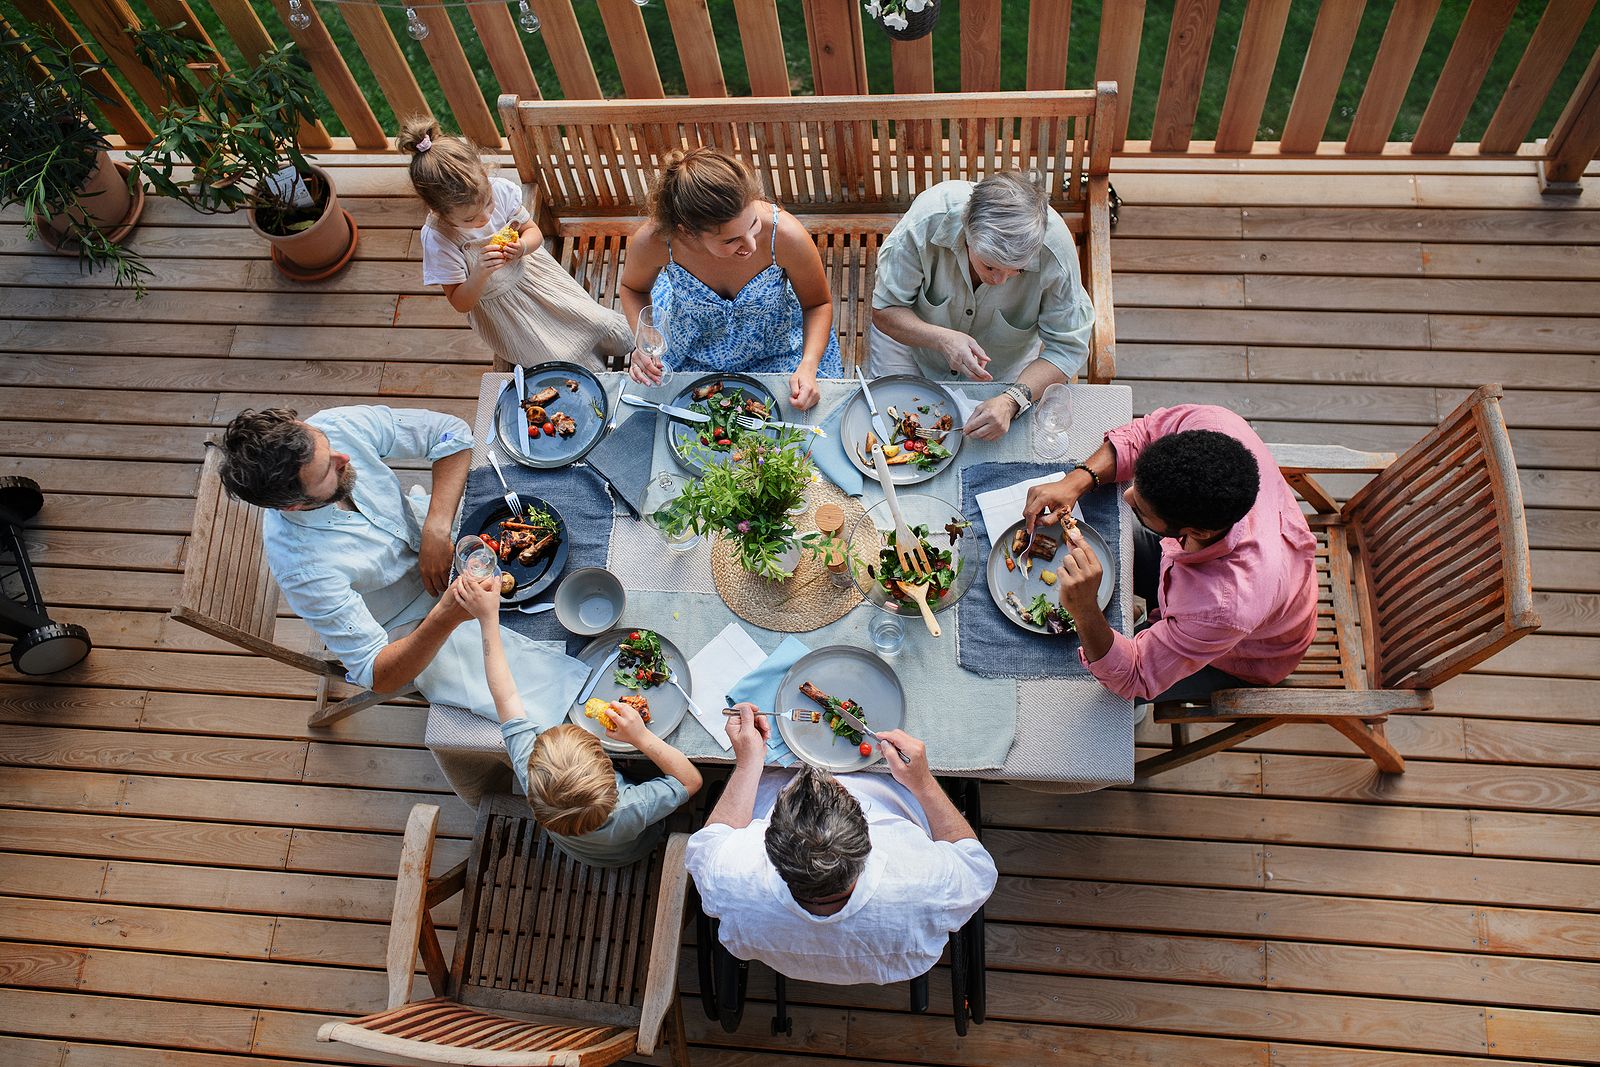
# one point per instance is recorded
(1002, 508)
(965, 404)
(716, 669)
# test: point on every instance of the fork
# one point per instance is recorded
(513, 501)
(907, 545)
(928, 433)
(756, 422)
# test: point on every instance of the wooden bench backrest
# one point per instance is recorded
(814, 154)
(542, 933)
(1444, 547)
(228, 590)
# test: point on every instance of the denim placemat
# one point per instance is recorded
(990, 644)
(584, 500)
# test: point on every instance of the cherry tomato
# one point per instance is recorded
(490, 543)
(533, 431)
(634, 636)
(724, 442)
(704, 439)
(866, 748)
(550, 428)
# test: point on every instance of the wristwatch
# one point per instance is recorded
(1021, 394)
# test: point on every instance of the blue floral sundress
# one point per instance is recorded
(760, 330)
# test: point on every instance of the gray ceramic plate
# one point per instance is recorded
(906, 392)
(848, 673)
(1028, 585)
(667, 705)
(682, 434)
(544, 452)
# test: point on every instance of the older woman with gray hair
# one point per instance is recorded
(843, 880)
(980, 281)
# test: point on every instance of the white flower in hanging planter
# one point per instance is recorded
(916, 5)
(872, 8)
(894, 20)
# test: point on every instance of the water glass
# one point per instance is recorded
(1052, 423)
(888, 633)
(650, 333)
(666, 515)
(474, 559)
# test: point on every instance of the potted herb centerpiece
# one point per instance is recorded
(54, 163)
(747, 496)
(235, 134)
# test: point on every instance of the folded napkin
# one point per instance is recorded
(760, 687)
(965, 404)
(1003, 507)
(717, 669)
(624, 459)
(829, 455)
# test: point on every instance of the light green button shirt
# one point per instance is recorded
(923, 266)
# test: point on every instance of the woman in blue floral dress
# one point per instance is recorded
(736, 278)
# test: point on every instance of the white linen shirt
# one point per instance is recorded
(354, 575)
(912, 894)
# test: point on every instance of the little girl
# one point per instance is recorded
(517, 298)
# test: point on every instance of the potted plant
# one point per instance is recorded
(904, 20)
(748, 497)
(236, 134)
(54, 163)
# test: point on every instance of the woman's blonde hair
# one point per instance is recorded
(572, 789)
(700, 189)
(445, 169)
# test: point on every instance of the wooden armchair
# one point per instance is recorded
(555, 962)
(1421, 575)
(228, 592)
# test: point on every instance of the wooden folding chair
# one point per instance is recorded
(1421, 575)
(228, 592)
(555, 962)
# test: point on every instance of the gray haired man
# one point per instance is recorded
(842, 880)
(981, 281)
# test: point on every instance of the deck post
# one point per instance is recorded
(1576, 136)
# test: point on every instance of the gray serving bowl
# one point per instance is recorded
(589, 601)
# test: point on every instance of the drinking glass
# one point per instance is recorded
(1052, 423)
(666, 515)
(650, 333)
(474, 559)
(888, 633)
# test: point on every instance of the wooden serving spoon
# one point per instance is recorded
(918, 591)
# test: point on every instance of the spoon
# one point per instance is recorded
(918, 591)
(536, 609)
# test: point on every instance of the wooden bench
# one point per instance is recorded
(846, 166)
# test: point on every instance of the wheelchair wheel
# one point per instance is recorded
(20, 498)
(960, 981)
(48, 649)
(977, 964)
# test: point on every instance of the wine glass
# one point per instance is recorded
(650, 334)
(475, 559)
(666, 515)
(1052, 423)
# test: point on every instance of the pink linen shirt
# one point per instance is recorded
(1246, 604)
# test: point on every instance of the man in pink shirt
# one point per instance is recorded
(1222, 556)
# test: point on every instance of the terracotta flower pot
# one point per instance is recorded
(918, 23)
(105, 202)
(322, 248)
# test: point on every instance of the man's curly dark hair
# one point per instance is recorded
(1197, 479)
(262, 453)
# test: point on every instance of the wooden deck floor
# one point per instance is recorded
(190, 878)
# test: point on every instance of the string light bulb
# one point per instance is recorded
(641, 3)
(414, 25)
(298, 17)
(528, 20)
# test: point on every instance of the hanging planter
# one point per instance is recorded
(904, 20)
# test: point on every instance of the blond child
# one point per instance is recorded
(594, 814)
(514, 294)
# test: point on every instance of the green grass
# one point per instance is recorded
(947, 60)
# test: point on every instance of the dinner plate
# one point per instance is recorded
(667, 705)
(532, 579)
(587, 404)
(848, 673)
(1027, 586)
(681, 433)
(905, 392)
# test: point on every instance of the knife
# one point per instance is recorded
(522, 412)
(855, 722)
(596, 675)
(878, 425)
(666, 409)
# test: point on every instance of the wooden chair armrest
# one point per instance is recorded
(1278, 702)
(661, 981)
(1103, 351)
(1327, 459)
(410, 901)
(447, 885)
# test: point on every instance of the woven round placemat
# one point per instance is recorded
(809, 600)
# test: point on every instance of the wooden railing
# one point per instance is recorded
(472, 53)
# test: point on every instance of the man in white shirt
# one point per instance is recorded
(859, 879)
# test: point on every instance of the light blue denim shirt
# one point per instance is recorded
(635, 824)
(353, 575)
